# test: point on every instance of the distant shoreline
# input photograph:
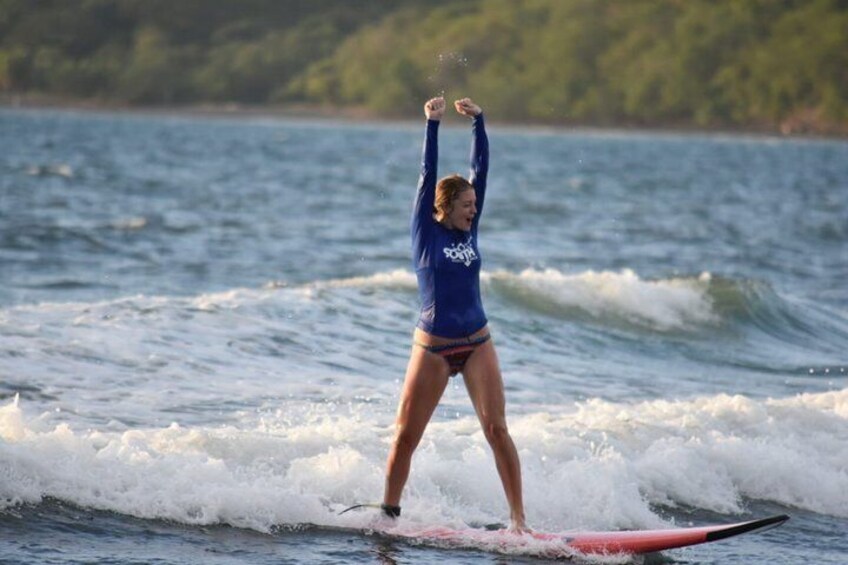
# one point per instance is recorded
(358, 114)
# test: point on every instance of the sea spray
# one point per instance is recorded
(595, 464)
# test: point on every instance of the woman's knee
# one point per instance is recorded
(496, 432)
(406, 440)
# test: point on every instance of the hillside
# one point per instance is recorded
(759, 63)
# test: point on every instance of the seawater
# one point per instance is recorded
(204, 325)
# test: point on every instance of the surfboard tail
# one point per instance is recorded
(650, 541)
(747, 527)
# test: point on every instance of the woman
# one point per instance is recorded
(452, 334)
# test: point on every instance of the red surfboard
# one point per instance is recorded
(588, 543)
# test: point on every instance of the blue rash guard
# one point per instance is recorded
(447, 262)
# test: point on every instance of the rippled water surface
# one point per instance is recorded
(204, 324)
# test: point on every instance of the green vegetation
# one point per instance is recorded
(731, 63)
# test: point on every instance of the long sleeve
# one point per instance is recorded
(425, 197)
(479, 162)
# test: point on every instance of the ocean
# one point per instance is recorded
(205, 322)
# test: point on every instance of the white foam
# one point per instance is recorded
(399, 278)
(663, 304)
(60, 170)
(666, 304)
(593, 465)
(130, 223)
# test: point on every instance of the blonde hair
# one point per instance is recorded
(447, 190)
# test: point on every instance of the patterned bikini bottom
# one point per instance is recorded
(456, 353)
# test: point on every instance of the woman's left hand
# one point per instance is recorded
(467, 107)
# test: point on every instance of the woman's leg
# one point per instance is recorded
(426, 379)
(485, 387)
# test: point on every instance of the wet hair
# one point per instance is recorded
(447, 190)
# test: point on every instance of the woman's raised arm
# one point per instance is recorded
(479, 150)
(422, 212)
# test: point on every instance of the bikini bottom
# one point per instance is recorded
(456, 353)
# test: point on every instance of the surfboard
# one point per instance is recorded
(569, 544)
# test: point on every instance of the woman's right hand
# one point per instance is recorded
(434, 108)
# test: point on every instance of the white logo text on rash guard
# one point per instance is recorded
(461, 253)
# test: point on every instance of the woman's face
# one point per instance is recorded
(463, 210)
